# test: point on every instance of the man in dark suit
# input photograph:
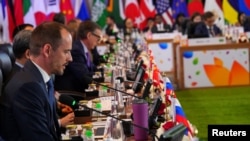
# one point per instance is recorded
(20, 50)
(208, 28)
(79, 72)
(160, 26)
(29, 107)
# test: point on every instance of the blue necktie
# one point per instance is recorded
(88, 59)
(51, 93)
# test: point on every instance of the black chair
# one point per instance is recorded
(7, 48)
(1, 83)
(5, 66)
(76, 95)
(191, 30)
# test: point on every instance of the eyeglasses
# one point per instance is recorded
(98, 36)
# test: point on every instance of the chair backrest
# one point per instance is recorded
(7, 48)
(5, 65)
(191, 30)
(1, 83)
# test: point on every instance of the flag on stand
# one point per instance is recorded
(148, 10)
(99, 12)
(230, 13)
(110, 4)
(67, 9)
(244, 6)
(163, 7)
(195, 6)
(215, 6)
(28, 12)
(132, 10)
(18, 12)
(39, 11)
(7, 22)
(179, 6)
(81, 10)
(116, 9)
(52, 7)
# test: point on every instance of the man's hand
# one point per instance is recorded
(68, 119)
(64, 108)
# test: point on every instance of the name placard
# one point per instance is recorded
(207, 41)
(163, 36)
(248, 34)
(101, 49)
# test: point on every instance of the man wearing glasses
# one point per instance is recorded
(79, 72)
(208, 28)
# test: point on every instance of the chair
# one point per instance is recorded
(1, 83)
(191, 31)
(76, 95)
(7, 48)
(5, 66)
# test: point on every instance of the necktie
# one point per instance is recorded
(211, 32)
(88, 59)
(51, 93)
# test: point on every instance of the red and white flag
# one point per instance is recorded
(148, 10)
(39, 11)
(132, 10)
(7, 24)
(52, 7)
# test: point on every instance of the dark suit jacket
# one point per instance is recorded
(167, 28)
(201, 30)
(26, 110)
(77, 74)
(15, 68)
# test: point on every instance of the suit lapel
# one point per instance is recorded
(83, 53)
(52, 119)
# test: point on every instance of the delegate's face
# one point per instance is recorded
(210, 21)
(197, 19)
(129, 23)
(95, 38)
(108, 21)
(150, 23)
(242, 17)
(158, 19)
(62, 55)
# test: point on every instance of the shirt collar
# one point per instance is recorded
(85, 48)
(209, 27)
(19, 64)
(45, 75)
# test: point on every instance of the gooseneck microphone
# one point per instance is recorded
(68, 100)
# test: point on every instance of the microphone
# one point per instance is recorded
(145, 93)
(68, 100)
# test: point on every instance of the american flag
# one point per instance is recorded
(163, 7)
